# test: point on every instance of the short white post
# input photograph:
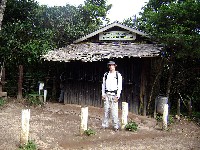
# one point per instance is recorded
(84, 119)
(25, 126)
(124, 114)
(165, 116)
(45, 96)
(41, 87)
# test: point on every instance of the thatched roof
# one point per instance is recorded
(88, 52)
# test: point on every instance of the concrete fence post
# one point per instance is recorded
(165, 116)
(25, 126)
(124, 114)
(45, 96)
(84, 119)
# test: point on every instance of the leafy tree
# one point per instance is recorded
(22, 42)
(175, 24)
(131, 22)
(69, 22)
(94, 11)
(29, 30)
(2, 8)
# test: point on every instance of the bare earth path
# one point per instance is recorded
(56, 127)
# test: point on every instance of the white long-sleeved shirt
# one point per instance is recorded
(111, 83)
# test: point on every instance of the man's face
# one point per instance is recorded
(111, 67)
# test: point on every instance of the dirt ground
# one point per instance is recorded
(56, 127)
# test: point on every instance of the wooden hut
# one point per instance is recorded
(87, 61)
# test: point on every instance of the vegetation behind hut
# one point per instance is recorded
(29, 30)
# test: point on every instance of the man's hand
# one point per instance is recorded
(104, 97)
(116, 99)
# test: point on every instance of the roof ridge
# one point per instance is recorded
(106, 27)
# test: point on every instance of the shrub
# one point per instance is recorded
(2, 101)
(171, 119)
(159, 118)
(29, 146)
(34, 100)
(89, 132)
(131, 126)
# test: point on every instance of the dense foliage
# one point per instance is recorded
(176, 25)
(29, 30)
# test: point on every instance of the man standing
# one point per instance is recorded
(111, 90)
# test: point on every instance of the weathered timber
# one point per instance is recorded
(83, 82)
(89, 52)
(20, 81)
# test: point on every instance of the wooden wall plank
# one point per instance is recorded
(84, 81)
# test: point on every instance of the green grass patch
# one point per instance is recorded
(29, 146)
(159, 118)
(89, 132)
(131, 126)
(170, 119)
(2, 102)
(34, 100)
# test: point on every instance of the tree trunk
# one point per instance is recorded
(190, 108)
(2, 9)
(20, 81)
(169, 83)
(160, 68)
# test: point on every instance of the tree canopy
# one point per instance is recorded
(176, 24)
(30, 30)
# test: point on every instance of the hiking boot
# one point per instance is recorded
(104, 128)
(116, 130)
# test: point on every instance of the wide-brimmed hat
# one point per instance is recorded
(111, 63)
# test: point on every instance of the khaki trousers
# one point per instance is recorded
(110, 110)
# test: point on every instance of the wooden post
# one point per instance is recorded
(84, 119)
(2, 78)
(179, 107)
(25, 126)
(20, 81)
(143, 84)
(190, 107)
(165, 116)
(45, 96)
(145, 105)
(3, 74)
(124, 114)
